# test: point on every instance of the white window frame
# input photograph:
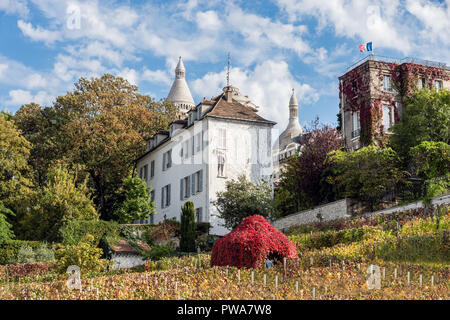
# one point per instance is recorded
(389, 88)
(438, 87)
(391, 114)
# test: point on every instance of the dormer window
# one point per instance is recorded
(190, 118)
(199, 112)
(171, 130)
(156, 141)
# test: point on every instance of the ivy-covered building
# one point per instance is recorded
(372, 94)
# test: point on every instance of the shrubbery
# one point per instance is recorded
(9, 250)
(187, 239)
(84, 255)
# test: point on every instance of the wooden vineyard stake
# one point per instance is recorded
(276, 282)
(265, 279)
(296, 286)
(408, 277)
(253, 276)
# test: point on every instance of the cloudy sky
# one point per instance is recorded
(46, 45)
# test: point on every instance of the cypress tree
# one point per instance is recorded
(187, 241)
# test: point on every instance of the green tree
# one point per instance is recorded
(368, 173)
(136, 204)
(426, 117)
(62, 200)
(187, 240)
(5, 227)
(431, 159)
(241, 199)
(102, 125)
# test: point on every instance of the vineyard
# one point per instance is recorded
(410, 250)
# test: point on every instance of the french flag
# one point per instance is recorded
(367, 47)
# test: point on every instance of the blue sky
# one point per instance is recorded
(275, 46)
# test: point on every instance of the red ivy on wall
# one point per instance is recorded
(356, 89)
(250, 243)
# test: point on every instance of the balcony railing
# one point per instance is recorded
(373, 57)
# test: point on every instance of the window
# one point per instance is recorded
(387, 117)
(198, 142)
(193, 145)
(198, 214)
(171, 130)
(421, 84)
(356, 124)
(197, 182)
(221, 165)
(185, 187)
(398, 106)
(387, 83)
(438, 85)
(152, 169)
(186, 149)
(167, 160)
(165, 196)
(354, 86)
(143, 171)
(222, 138)
(152, 195)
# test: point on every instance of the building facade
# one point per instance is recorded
(372, 95)
(288, 143)
(216, 141)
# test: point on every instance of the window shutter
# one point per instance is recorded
(188, 186)
(168, 194)
(193, 144)
(181, 189)
(169, 159)
(200, 181)
(162, 197)
(193, 183)
(200, 218)
(164, 162)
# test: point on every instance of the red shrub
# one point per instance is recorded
(250, 243)
(25, 269)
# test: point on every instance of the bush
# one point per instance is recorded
(75, 230)
(203, 227)
(84, 255)
(25, 270)
(187, 241)
(205, 242)
(44, 254)
(25, 254)
(161, 251)
(9, 250)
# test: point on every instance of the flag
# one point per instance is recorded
(367, 47)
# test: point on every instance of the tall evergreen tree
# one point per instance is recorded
(187, 241)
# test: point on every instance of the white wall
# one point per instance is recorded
(248, 152)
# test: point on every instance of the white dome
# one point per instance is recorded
(179, 93)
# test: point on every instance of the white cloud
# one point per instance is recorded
(208, 20)
(157, 76)
(14, 7)
(130, 75)
(38, 33)
(20, 97)
(269, 86)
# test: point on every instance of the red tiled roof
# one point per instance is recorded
(122, 246)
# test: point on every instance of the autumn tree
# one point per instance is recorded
(103, 125)
(303, 173)
(15, 183)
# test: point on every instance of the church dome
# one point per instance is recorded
(293, 128)
(179, 93)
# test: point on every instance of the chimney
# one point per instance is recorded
(229, 95)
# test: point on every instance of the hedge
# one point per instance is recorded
(75, 230)
(10, 248)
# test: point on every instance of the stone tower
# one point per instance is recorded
(293, 129)
(179, 93)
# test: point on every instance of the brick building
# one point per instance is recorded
(372, 94)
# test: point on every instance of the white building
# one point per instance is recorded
(288, 142)
(218, 140)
